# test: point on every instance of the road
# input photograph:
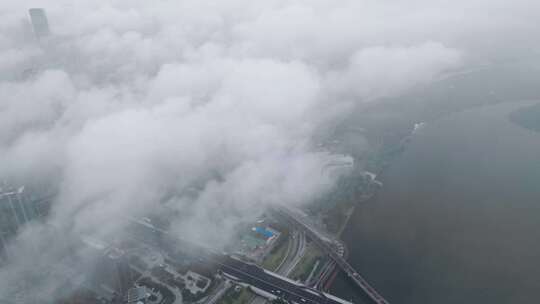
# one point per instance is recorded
(244, 272)
(220, 291)
(294, 254)
(332, 249)
(271, 283)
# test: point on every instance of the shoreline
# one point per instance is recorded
(373, 198)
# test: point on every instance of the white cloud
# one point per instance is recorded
(130, 103)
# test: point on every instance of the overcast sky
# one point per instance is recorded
(210, 107)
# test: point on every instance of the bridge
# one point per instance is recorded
(269, 284)
(326, 244)
(263, 282)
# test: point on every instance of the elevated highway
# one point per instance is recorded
(331, 249)
(268, 284)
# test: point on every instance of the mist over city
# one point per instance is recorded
(283, 151)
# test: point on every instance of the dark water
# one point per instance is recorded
(458, 219)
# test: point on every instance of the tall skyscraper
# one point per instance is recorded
(4, 251)
(15, 209)
(112, 275)
(40, 24)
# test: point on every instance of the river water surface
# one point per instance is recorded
(458, 219)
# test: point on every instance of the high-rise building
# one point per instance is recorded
(15, 211)
(40, 24)
(112, 276)
(4, 251)
(138, 295)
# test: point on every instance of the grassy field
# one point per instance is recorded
(236, 297)
(304, 267)
(276, 256)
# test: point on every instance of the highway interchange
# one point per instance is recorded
(276, 285)
(271, 283)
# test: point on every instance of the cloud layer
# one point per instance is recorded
(208, 108)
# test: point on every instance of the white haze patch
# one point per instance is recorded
(205, 107)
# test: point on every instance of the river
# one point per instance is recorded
(458, 218)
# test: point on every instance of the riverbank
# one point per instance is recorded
(462, 200)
